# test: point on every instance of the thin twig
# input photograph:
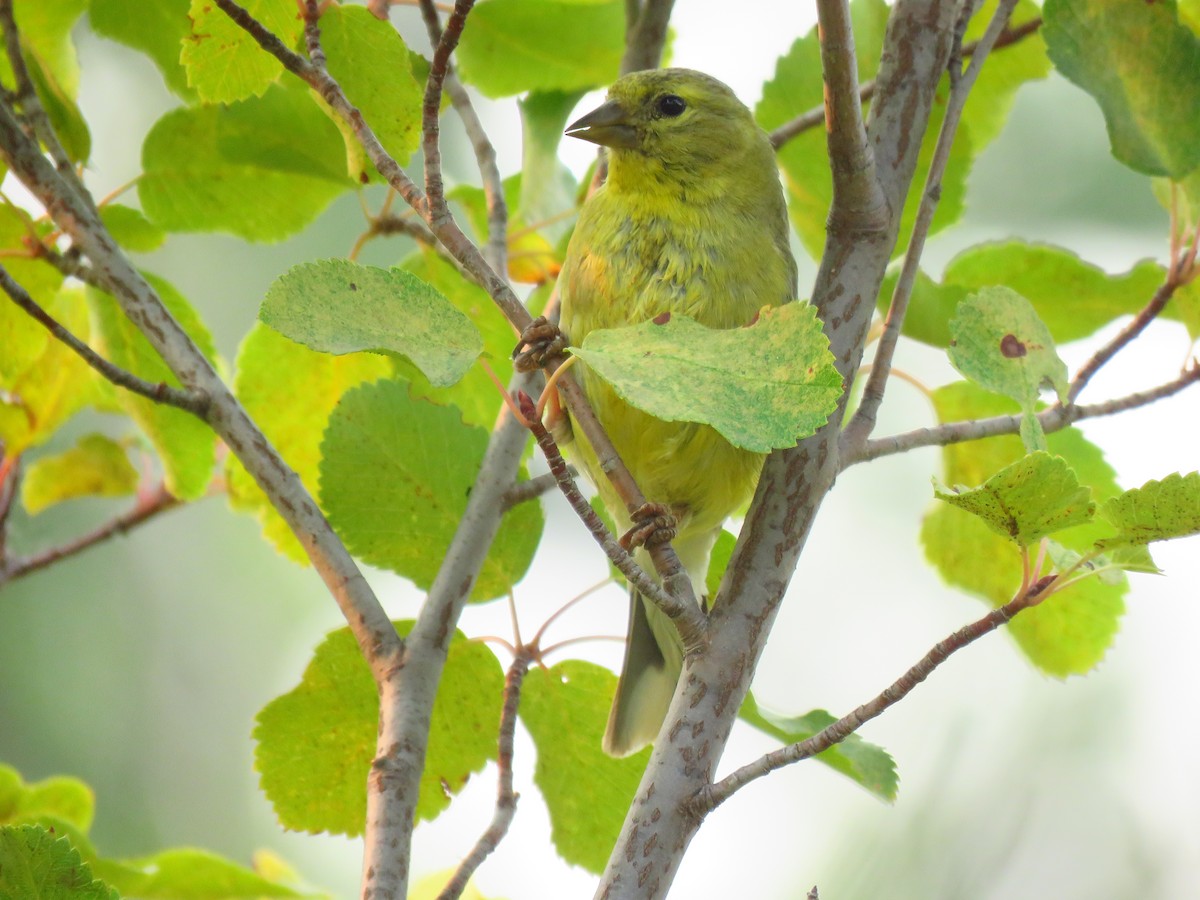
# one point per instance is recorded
(687, 616)
(439, 68)
(158, 501)
(816, 116)
(1148, 314)
(1052, 419)
(712, 796)
(506, 798)
(859, 428)
(532, 488)
(190, 401)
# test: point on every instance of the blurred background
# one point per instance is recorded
(139, 665)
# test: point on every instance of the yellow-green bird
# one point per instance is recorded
(691, 221)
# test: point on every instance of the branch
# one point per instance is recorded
(863, 422)
(1148, 314)
(685, 613)
(645, 34)
(1053, 419)
(712, 796)
(506, 798)
(531, 489)
(816, 115)
(147, 507)
(189, 401)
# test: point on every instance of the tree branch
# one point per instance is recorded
(860, 426)
(189, 401)
(710, 797)
(147, 507)
(861, 235)
(506, 798)
(1053, 419)
(645, 34)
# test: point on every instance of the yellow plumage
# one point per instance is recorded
(691, 221)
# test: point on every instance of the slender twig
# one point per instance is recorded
(506, 797)
(862, 423)
(439, 68)
(485, 153)
(687, 616)
(1052, 419)
(191, 401)
(532, 488)
(815, 116)
(158, 501)
(712, 796)
(10, 477)
(1120, 340)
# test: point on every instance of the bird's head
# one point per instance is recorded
(679, 123)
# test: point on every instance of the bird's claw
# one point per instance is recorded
(653, 525)
(540, 341)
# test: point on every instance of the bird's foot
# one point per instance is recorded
(653, 525)
(540, 341)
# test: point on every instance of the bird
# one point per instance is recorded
(690, 221)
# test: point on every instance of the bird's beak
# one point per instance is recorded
(607, 125)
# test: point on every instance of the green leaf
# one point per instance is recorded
(1157, 511)
(474, 395)
(156, 29)
(543, 195)
(62, 798)
(59, 103)
(131, 228)
(587, 792)
(186, 444)
(96, 466)
(37, 865)
(46, 382)
(999, 342)
(45, 30)
(22, 339)
(191, 874)
(261, 169)
(315, 743)
(1074, 298)
(678, 370)
(513, 46)
(223, 62)
(1036, 496)
(290, 391)
(1070, 632)
(359, 47)
(338, 306)
(718, 561)
(869, 765)
(1142, 65)
(396, 472)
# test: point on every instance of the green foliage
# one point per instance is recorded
(59, 799)
(867, 764)
(392, 105)
(156, 29)
(678, 370)
(316, 742)
(1069, 633)
(515, 46)
(998, 341)
(1036, 496)
(261, 169)
(796, 88)
(396, 472)
(96, 466)
(1157, 511)
(131, 228)
(1073, 297)
(1150, 96)
(290, 392)
(337, 306)
(223, 62)
(185, 444)
(37, 865)
(587, 793)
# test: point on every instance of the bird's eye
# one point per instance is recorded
(671, 105)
